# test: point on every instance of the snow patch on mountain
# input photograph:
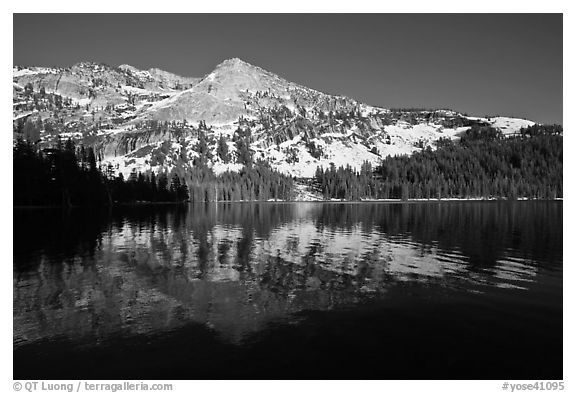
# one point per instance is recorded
(509, 125)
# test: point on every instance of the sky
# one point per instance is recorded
(481, 64)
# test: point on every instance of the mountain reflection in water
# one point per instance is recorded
(84, 277)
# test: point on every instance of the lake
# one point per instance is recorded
(431, 290)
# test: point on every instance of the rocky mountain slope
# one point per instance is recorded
(141, 121)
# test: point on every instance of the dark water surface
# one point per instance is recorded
(450, 290)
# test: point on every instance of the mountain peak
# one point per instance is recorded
(128, 67)
(234, 62)
(90, 65)
(234, 74)
(235, 65)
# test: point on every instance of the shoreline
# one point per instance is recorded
(399, 200)
(147, 204)
(136, 204)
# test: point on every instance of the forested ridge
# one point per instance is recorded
(68, 175)
(482, 164)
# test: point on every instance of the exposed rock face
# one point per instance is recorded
(121, 144)
(236, 88)
(156, 78)
(99, 84)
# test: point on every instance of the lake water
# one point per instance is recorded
(435, 290)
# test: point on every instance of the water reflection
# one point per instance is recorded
(236, 268)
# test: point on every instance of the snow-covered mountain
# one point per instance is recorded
(157, 121)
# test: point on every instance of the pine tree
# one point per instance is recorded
(222, 149)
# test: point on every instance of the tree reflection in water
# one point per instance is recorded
(240, 268)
